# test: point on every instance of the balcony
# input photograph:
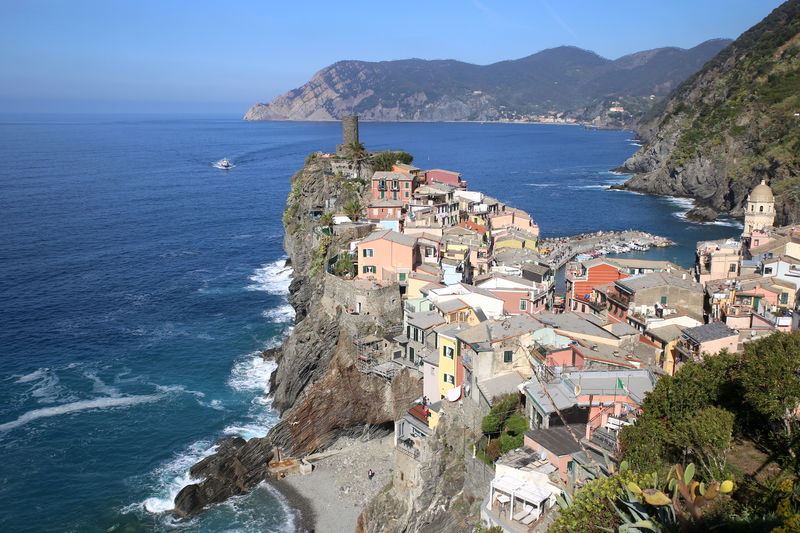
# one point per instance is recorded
(382, 186)
(407, 447)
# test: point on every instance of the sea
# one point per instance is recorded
(139, 284)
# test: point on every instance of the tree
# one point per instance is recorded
(770, 378)
(707, 435)
(353, 208)
(385, 160)
(660, 436)
(326, 219)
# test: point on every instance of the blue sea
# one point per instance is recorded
(139, 283)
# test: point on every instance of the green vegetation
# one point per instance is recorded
(320, 255)
(592, 510)
(504, 428)
(748, 109)
(353, 208)
(385, 160)
(344, 265)
(728, 401)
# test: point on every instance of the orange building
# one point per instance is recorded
(583, 277)
(387, 255)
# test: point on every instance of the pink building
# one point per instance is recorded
(511, 217)
(437, 175)
(706, 339)
(393, 186)
(385, 209)
(519, 295)
(387, 255)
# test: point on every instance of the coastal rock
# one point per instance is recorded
(236, 467)
(702, 214)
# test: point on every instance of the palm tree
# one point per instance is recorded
(357, 153)
(353, 209)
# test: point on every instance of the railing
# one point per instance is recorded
(408, 449)
(604, 439)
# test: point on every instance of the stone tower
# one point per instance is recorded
(759, 210)
(349, 129)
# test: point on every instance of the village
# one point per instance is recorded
(485, 333)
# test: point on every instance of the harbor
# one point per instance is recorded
(558, 251)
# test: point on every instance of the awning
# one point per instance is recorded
(454, 394)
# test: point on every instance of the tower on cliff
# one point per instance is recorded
(349, 133)
(759, 210)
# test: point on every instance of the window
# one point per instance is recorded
(663, 300)
(369, 269)
(761, 209)
(447, 351)
(383, 195)
(449, 378)
(784, 298)
(755, 242)
(523, 305)
(507, 356)
(407, 195)
(767, 270)
(407, 186)
(732, 267)
(402, 276)
(368, 252)
(411, 354)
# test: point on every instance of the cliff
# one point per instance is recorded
(564, 79)
(732, 124)
(317, 387)
(439, 492)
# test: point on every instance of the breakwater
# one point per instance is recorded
(558, 251)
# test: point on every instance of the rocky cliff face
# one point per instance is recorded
(440, 493)
(317, 387)
(565, 79)
(731, 125)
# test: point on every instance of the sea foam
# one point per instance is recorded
(272, 278)
(97, 403)
(173, 476)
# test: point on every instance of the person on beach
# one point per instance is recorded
(370, 474)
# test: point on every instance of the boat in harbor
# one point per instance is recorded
(224, 164)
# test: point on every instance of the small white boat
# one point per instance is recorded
(224, 164)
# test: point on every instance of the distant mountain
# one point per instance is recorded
(562, 80)
(733, 123)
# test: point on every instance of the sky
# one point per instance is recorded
(221, 57)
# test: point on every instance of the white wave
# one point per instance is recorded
(541, 184)
(100, 387)
(272, 278)
(281, 314)
(584, 187)
(36, 374)
(285, 507)
(45, 386)
(97, 403)
(252, 373)
(173, 476)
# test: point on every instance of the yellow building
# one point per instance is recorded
(447, 345)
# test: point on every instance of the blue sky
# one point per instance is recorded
(190, 56)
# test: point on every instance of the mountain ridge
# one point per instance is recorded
(565, 79)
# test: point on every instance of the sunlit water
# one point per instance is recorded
(139, 284)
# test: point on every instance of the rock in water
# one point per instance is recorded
(702, 214)
(236, 467)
